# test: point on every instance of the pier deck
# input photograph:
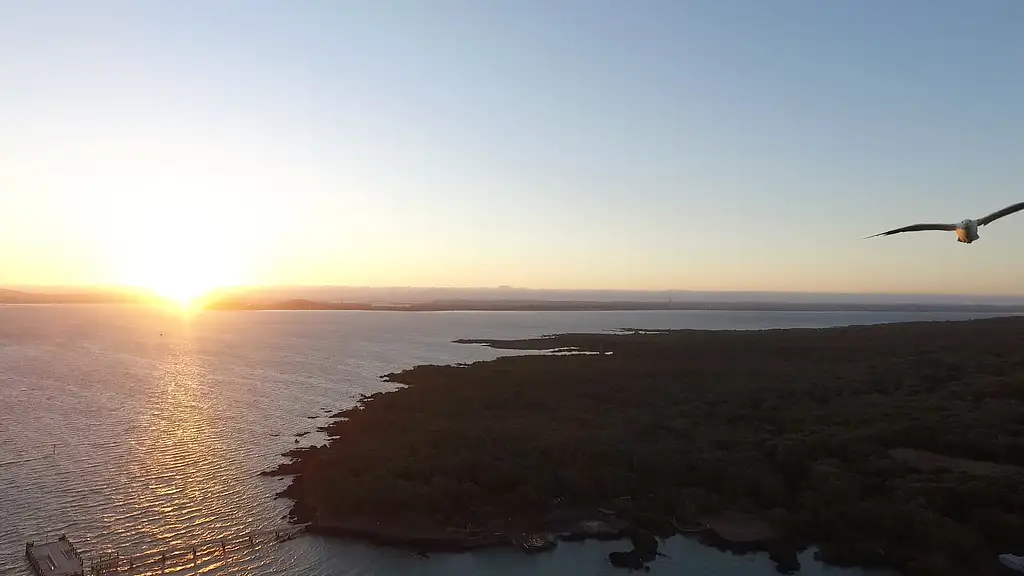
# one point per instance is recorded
(57, 558)
(60, 558)
(122, 561)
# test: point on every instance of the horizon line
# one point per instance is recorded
(116, 286)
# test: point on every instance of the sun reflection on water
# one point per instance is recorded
(176, 454)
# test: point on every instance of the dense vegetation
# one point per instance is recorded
(893, 445)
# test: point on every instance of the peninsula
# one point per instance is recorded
(897, 445)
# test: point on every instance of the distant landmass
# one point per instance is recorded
(81, 296)
(411, 295)
(522, 299)
(597, 306)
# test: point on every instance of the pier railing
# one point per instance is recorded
(115, 561)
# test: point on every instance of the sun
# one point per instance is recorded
(184, 293)
(179, 264)
(181, 280)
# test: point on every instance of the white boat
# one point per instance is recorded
(1012, 562)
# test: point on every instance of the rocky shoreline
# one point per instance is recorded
(733, 532)
(541, 534)
(530, 534)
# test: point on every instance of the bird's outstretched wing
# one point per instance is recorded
(999, 214)
(915, 228)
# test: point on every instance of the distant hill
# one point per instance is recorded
(595, 306)
(84, 296)
(523, 299)
(420, 295)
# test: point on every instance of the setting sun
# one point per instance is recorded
(181, 279)
(184, 292)
(180, 257)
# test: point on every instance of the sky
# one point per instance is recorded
(698, 144)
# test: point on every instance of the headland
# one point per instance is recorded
(898, 446)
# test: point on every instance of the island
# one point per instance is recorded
(895, 446)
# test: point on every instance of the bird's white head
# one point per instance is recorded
(967, 231)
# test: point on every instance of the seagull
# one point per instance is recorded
(966, 230)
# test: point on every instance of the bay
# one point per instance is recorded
(135, 428)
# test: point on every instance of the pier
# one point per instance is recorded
(116, 561)
(113, 561)
(57, 558)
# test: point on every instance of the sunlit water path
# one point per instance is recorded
(162, 426)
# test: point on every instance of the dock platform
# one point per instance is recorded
(56, 558)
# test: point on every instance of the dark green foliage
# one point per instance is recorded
(897, 445)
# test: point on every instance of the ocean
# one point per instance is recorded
(135, 429)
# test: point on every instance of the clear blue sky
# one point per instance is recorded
(718, 144)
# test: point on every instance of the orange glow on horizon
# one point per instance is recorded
(180, 257)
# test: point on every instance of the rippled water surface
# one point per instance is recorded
(161, 426)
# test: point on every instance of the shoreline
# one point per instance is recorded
(732, 532)
(736, 533)
(402, 485)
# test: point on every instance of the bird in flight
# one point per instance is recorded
(966, 230)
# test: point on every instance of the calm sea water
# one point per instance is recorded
(162, 425)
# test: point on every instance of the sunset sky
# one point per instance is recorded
(716, 144)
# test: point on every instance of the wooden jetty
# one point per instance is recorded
(56, 558)
(115, 561)
(61, 558)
